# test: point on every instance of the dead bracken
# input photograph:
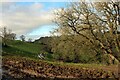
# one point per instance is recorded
(26, 68)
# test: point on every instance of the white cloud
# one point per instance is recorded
(39, 0)
(22, 19)
(56, 0)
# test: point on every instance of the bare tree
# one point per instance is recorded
(4, 35)
(22, 37)
(30, 40)
(7, 35)
(96, 22)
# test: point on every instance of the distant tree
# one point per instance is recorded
(4, 35)
(30, 40)
(22, 37)
(4, 32)
(13, 36)
(7, 35)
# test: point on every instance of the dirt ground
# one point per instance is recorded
(15, 68)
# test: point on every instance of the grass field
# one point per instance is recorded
(25, 49)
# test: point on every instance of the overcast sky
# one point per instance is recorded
(33, 19)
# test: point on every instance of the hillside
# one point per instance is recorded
(24, 49)
(20, 61)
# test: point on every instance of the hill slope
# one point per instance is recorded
(24, 49)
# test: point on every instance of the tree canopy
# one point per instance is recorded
(96, 22)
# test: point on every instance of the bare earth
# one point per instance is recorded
(22, 68)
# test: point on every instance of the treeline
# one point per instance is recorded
(7, 34)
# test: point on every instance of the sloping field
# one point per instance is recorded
(23, 49)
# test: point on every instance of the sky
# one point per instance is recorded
(32, 19)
